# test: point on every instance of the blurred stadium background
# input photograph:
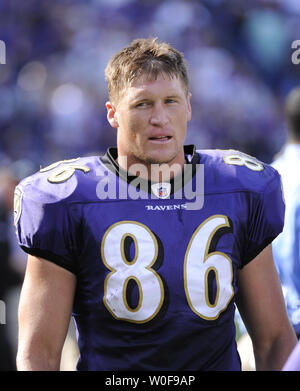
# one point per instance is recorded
(52, 87)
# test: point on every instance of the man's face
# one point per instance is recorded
(151, 117)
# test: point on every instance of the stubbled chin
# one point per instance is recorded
(161, 156)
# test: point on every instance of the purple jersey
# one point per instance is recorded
(156, 277)
(293, 361)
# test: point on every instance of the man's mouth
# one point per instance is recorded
(160, 139)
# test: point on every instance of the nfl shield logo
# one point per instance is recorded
(161, 190)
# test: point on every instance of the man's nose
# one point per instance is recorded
(159, 115)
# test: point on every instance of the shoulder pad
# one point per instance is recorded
(58, 181)
(233, 170)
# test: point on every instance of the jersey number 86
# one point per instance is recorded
(197, 265)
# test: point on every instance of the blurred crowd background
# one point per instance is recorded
(53, 91)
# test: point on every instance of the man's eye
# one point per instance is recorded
(170, 101)
(142, 104)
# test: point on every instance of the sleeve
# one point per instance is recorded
(266, 218)
(293, 361)
(43, 225)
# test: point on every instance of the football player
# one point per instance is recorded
(286, 247)
(150, 246)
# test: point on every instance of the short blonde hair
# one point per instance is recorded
(144, 57)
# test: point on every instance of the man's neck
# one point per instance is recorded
(154, 172)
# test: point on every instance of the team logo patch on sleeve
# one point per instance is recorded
(17, 204)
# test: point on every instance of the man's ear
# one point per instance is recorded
(189, 107)
(111, 115)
